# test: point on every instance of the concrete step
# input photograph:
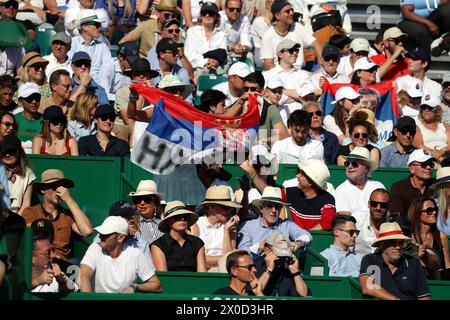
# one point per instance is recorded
(361, 18)
(381, 3)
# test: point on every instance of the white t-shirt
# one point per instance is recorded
(287, 151)
(363, 243)
(225, 89)
(115, 275)
(354, 200)
(17, 189)
(54, 286)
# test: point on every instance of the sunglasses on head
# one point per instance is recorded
(33, 97)
(360, 135)
(79, 64)
(38, 66)
(429, 211)
(353, 163)
(292, 50)
(427, 108)
(351, 232)
(110, 117)
(375, 204)
(425, 164)
(316, 113)
(9, 124)
(332, 58)
(168, 15)
(235, 9)
(170, 31)
(248, 267)
(146, 199)
(251, 89)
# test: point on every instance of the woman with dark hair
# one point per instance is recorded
(20, 174)
(8, 123)
(364, 72)
(432, 244)
(54, 137)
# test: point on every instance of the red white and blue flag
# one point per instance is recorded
(386, 114)
(179, 133)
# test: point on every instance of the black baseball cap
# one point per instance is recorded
(405, 122)
(419, 53)
(218, 54)
(122, 209)
(130, 50)
(167, 45)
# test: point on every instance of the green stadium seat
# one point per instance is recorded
(44, 40)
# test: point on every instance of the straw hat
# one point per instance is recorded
(270, 194)
(317, 171)
(145, 188)
(175, 208)
(172, 81)
(390, 231)
(31, 58)
(442, 176)
(51, 176)
(220, 195)
(361, 153)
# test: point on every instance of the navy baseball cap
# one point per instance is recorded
(80, 55)
(122, 209)
(419, 53)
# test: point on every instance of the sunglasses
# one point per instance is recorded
(235, 9)
(174, 90)
(79, 64)
(57, 122)
(332, 58)
(66, 86)
(316, 113)
(292, 50)
(430, 210)
(171, 31)
(371, 70)
(138, 200)
(9, 124)
(171, 52)
(353, 163)
(180, 217)
(13, 4)
(34, 97)
(351, 232)
(269, 205)
(427, 108)
(360, 135)
(354, 101)
(251, 89)
(425, 164)
(410, 131)
(38, 66)
(289, 11)
(375, 204)
(169, 15)
(398, 40)
(52, 186)
(208, 13)
(395, 243)
(110, 117)
(248, 267)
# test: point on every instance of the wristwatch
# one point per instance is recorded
(298, 273)
(135, 287)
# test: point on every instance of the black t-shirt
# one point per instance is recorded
(230, 292)
(180, 258)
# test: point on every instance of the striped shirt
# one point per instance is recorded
(148, 229)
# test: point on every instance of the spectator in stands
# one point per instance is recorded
(29, 120)
(72, 15)
(82, 80)
(34, 71)
(418, 64)
(284, 27)
(253, 232)
(346, 103)
(218, 63)
(111, 79)
(147, 202)
(205, 36)
(362, 133)
(278, 270)
(258, 28)
(178, 250)
(237, 28)
(328, 68)
(397, 153)
(299, 147)
(192, 11)
(8, 9)
(342, 259)
(431, 244)
(392, 264)
(420, 165)
(8, 88)
(20, 175)
(170, 29)
(409, 97)
(242, 272)
(61, 87)
(359, 48)
(122, 16)
(353, 194)
(59, 59)
(342, 42)
(213, 101)
(148, 32)
(273, 93)
(424, 22)
(317, 132)
(364, 72)
(218, 226)
(233, 88)
(103, 143)
(55, 189)
(441, 190)
(47, 276)
(173, 85)
(369, 226)
(391, 61)
(89, 27)
(54, 137)
(8, 124)
(445, 98)
(432, 135)
(101, 269)
(81, 116)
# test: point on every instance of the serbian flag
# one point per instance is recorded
(386, 114)
(179, 133)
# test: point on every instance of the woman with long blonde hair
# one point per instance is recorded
(122, 14)
(442, 191)
(82, 116)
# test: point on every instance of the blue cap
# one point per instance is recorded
(80, 55)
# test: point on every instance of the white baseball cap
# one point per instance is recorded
(429, 100)
(113, 224)
(419, 155)
(274, 82)
(239, 69)
(306, 89)
(413, 87)
(364, 64)
(446, 78)
(27, 89)
(345, 93)
(360, 44)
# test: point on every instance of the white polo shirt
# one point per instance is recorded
(54, 65)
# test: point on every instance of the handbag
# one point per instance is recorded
(332, 18)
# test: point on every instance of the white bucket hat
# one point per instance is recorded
(390, 231)
(270, 194)
(145, 188)
(317, 171)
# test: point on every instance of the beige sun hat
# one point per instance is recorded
(390, 231)
(442, 177)
(361, 153)
(53, 176)
(176, 208)
(220, 195)
(270, 194)
(145, 188)
(317, 171)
